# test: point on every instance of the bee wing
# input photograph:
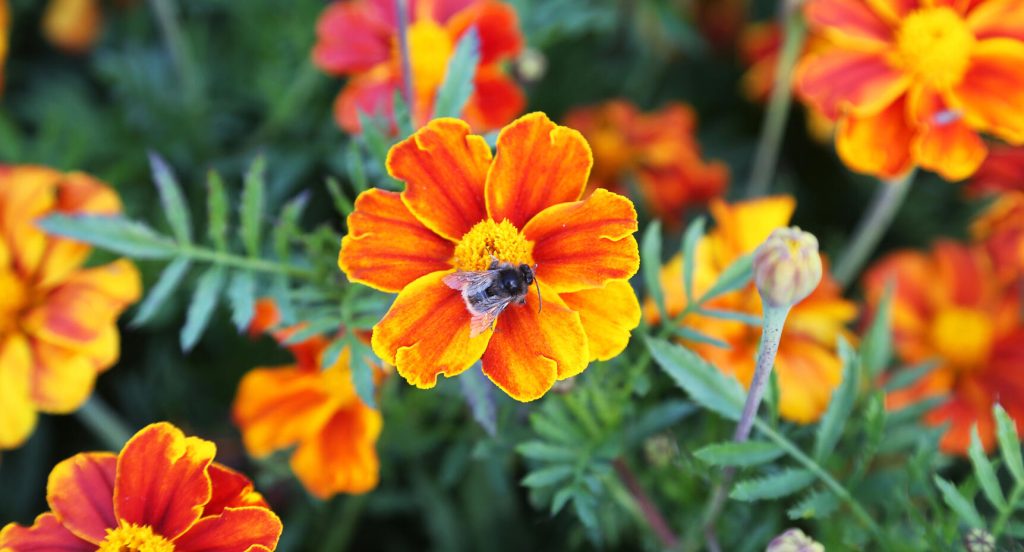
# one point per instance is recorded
(469, 283)
(485, 314)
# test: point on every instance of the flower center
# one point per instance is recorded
(934, 46)
(489, 240)
(134, 538)
(430, 47)
(963, 337)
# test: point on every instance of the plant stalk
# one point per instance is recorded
(403, 45)
(647, 506)
(245, 263)
(104, 423)
(181, 52)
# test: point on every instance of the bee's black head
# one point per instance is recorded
(527, 273)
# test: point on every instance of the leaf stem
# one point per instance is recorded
(647, 506)
(181, 53)
(1004, 514)
(344, 523)
(245, 263)
(403, 45)
(104, 423)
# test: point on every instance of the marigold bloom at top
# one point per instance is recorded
(463, 207)
(913, 82)
(162, 492)
(316, 409)
(658, 149)
(58, 320)
(948, 305)
(807, 365)
(787, 267)
(359, 38)
(73, 25)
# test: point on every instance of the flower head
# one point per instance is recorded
(73, 25)
(358, 38)
(162, 492)
(794, 540)
(914, 82)
(658, 149)
(461, 207)
(316, 409)
(58, 320)
(1001, 231)
(787, 267)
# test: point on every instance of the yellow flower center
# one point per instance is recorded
(430, 48)
(489, 240)
(934, 46)
(13, 299)
(134, 538)
(963, 337)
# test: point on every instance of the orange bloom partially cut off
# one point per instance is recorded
(58, 320)
(914, 82)
(1002, 171)
(318, 410)
(163, 492)
(359, 39)
(73, 25)
(949, 305)
(460, 208)
(658, 149)
(1001, 231)
(807, 365)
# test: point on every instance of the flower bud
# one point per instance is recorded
(794, 540)
(979, 540)
(787, 267)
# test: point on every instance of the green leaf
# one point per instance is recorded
(749, 453)
(560, 499)
(650, 266)
(403, 118)
(548, 476)
(242, 298)
(689, 248)
(984, 472)
(458, 77)
(173, 202)
(356, 169)
(963, 508)
(374, 135)
(876, 349)
(747, 319)
(341, 202)
(169, 281)
(287, 227)
(815, 505)
(476, 389)
(834, 420)
(252, 206)
(905, 377)
(1009, 443)
(548, 452)
(217, 211)
(691, 334)
(735, 276)
(313, 328)
(705, 384)
(122, 236)
(332, 352)
(362, 370)
(776, 485)
(658, 417)
(200, 310)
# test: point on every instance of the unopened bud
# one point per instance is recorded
(531, 65)
(979, 540)
(794, 540)
(660, 450)
(787, 267)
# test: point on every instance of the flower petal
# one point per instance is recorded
(608, 316)
(740, 227)
(808, 374)
(342, 456)
(234, 530)
(62, 379)
(992, 91)
(230, 489)
(497, 25)
(877, 144)
(585, 244)
(162, 479)
(443, 167)
(532, 347)
(350, 38)
(538, 164)
(850, 22)
(387, 247)
(426, 332)
(944, 143)
(45, 535)
(80, 491)
(836, 81)
(997, 19)
(668, 191)
(26, 193)
(495, 101)
(893, 11)
(17, 411)
(371, 93)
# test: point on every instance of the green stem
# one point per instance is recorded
(888, 199)
(245, 263)
(104, 423)
(775, 117)
(1004, 515)
(181, 52)
(344, 522)
(403, 45)
(295, 96)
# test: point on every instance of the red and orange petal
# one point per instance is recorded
(17, 410)
(1002, 170)
(877, 144)
(46, 533)
(351, 37)
(341, 457)
(608, 316)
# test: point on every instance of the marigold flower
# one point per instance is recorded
(914, 82)
(318, 410)
(359, 38)
(73, 25)
(1003, 170)
(948, 305)
(787, 267)
(1001, 230)
(658, 149)
(460, 209)
(58, 320)
(163, 492)
(807, 365)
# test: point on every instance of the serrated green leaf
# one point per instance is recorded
(749, 453)
(735, 276)
(313, 328)
(691, 334)
(281, 295)
(777, 485)
(548, 476)
(341, 201)
(253, 197)
(403, 118)
(169, 281)
(560, 499)
(705, 384)
(122, 236)
(689, 249)
(650, 266)
(915, 410)
(1009, 443)
(984, 472)
(362, 371)
(175, 208)
(834, 420)
(457, 86)
(657, 418)
(748, 319)
(242, 298)
(876, 349)
(815, 505)
(959, 504)
(374, 135)
(218, 214)
(545, 426)
(287, 227)
(332, 352)
(201, 308)
(548, 452)
(905, 377)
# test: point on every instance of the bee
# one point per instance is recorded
(488, 292)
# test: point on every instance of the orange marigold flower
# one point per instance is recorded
(1001, 229)
(914, 82)
(948, 305)
(58, 320)
(316, 409)
(659, 149)
(807, 365)
(163, 492)
(359, 38)
(73, 25)
(461, 209)
(1003, 170)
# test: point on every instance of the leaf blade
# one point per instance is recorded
(202, 306)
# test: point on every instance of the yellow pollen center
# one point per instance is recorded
(934, 46)
(430, 48)
(489, 240)
(963, 337)
(134, 538)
